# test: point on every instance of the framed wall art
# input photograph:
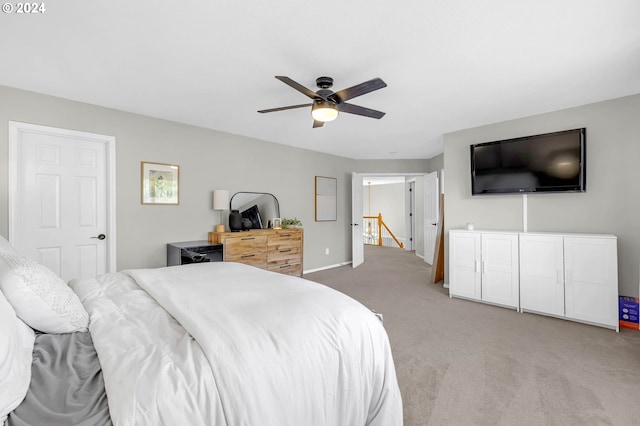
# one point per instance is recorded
(160, 183)
(326, 199)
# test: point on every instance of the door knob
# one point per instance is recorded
(100, 237)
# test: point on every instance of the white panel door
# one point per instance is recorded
(542, 274)
(464, 264)
(591, 279)
(431, 206)
(357, 240)
(500, 269)
(60, 200)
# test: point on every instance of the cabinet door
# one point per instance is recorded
(500, 269)
(464, 264)
(591, 279)
(542, 274)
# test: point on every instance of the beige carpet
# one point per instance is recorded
(466, 363)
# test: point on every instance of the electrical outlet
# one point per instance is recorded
(326, 251)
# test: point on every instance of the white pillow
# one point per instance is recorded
(16, 354)
(39, 297)
(6, 247)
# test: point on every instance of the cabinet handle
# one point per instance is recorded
(484, 267)
(476, 266)
(285, 266)
(284, 250)
(569, 277)
(248, 238)
(247, 255)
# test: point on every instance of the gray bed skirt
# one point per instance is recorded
(66, 387)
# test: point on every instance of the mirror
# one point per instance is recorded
(259, 207)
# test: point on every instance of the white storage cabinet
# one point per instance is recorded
(483, 266)
(574, 276)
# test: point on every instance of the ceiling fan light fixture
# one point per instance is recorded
(324, 111)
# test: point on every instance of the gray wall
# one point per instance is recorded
(436, 163)
(610, 205)
(208, 160)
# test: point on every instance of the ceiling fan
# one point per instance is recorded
(327, 103)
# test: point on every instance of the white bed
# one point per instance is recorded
(228, 344)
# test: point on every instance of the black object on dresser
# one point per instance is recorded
(193, 252)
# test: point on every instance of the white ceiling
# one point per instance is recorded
(449, 65)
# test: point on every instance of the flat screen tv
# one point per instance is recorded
(551, 162)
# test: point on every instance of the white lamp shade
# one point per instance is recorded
(220, 199)
(324, 111)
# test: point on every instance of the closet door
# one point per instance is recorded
(591, 279)
(500, 269)
(464, 264)
(542, 274)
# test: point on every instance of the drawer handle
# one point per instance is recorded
(248, 238)
(285, 266)
(285, 235)
(247, 255)
(284, 250)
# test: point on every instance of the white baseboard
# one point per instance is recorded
(337, 265)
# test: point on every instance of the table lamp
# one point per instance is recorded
(220, 202)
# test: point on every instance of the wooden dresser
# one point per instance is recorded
(278, 250)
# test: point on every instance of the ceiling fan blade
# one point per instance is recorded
(358, 110)
(317, 123)
(299, 87)
(285, 108)
(358, 90)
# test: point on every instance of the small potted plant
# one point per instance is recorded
(291, 223)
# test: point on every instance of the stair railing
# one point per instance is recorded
(375, 231)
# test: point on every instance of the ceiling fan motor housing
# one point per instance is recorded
(324, 94)
(324, 82)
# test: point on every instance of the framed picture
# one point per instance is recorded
(326, 199)
(277, 223)
(160, 183)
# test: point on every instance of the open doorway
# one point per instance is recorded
(406, 192)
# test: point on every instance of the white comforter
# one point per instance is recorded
(228, 344)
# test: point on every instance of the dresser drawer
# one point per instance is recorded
(251, 250)
(258, 260)
(281, 254)
(289, 269)
(285, 238)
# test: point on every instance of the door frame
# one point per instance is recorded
(360, 175)
(425, 222)
(15, 128)
(357, 243)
